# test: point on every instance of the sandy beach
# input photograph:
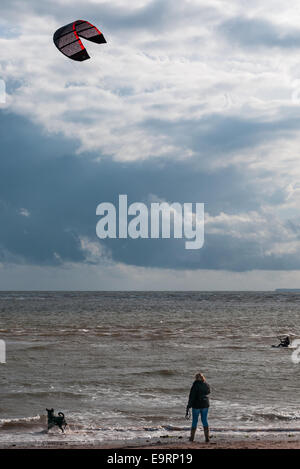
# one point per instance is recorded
(287, 441)
(250, 444)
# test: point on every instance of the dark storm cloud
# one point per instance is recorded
(217, 134)
(220, 252)
(258, 32)
(61, 193)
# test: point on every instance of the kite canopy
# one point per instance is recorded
(67, 39)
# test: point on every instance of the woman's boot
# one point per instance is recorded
(206, 434)
(193, 431)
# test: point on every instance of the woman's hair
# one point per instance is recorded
(200, 377)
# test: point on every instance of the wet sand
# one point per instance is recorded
(289, 442)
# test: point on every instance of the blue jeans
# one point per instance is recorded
(195, 414)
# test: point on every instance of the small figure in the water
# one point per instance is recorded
(285, 342)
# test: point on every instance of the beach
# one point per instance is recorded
(222, 444)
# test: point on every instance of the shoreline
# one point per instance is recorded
(288, 441)
(221, 445)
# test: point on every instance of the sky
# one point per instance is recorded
(191, 101)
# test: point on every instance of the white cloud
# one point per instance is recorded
(273, 233)
(2, 92)
(24, 212)
(180, 71)
(95, 252)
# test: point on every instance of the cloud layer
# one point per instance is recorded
(186, 102)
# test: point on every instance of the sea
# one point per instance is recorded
(120, 365)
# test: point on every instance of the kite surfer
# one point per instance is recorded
(284, 342)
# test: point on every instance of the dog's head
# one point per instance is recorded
(50, 412)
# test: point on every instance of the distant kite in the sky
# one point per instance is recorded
(67, 39)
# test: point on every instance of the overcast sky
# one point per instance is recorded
(191, 101)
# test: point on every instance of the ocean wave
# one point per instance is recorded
(41, 394)
(35, 428)
(238, 429)
(27, 346)
(163, 372)
(273, 416)
(23, 423)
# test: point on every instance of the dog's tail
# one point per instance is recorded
(61, 414)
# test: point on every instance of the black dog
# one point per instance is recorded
(56, 420)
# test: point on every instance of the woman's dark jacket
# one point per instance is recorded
(198, 398)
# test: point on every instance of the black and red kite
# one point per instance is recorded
(67, 39)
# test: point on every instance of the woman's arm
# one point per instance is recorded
(207, 387)
(191, 395)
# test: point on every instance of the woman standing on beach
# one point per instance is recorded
(199, 402)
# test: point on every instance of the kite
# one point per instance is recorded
(67, 39)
